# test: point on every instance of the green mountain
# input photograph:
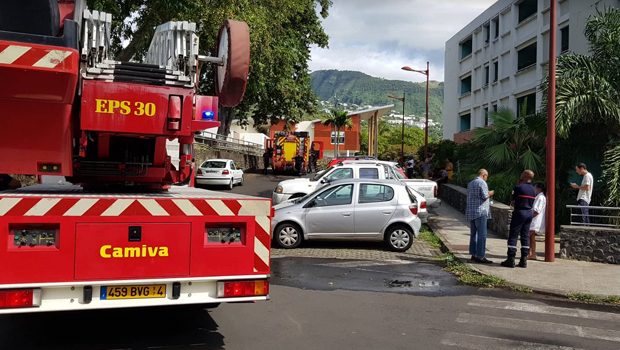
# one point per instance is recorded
(362, 89)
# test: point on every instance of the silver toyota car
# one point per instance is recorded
(352, 209)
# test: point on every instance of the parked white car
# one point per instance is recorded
(351, 209)
(219, 172)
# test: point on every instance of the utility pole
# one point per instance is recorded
(550, 216)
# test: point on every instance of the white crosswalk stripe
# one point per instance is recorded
(475, 342)
(525, 324)
(543, 309)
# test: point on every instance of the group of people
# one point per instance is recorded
(529, 202)
(443, 176)
(298, 160)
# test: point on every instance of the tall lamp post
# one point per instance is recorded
(427, 73)
(402, 141)
(550, 216)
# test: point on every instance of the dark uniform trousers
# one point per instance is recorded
(520, 227)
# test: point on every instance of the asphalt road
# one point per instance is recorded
(320, 300)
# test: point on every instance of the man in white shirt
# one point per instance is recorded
(585, 191)
(410, 165)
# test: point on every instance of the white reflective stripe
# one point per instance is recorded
(7, 204)
(264, 223)
(52, 59)
(254, 208)
(512, 246)
(475, 342)
(538, 326)
(261, 251)
(118, 207)
(220, 208)
(255, 270)
(525, 246)
(12, 53)
(187, 207)
(544, 309)
(153, 207)
(42, 207)
(81, 207)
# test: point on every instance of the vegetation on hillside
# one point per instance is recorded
(362, 89)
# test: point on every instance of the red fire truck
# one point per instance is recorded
(123, 235)
(285, 147)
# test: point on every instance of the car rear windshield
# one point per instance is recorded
(209, 164)
(369, 173)
(398, 174)
(411, 195)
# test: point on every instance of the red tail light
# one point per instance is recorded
(414, 209)
(225, 172)
(242, 288)
(199, 172)
(423, 205)
(19, 298)
(435, 192)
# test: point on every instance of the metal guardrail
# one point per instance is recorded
(230, 143)
(598, 216)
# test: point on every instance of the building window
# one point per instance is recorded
(487, 33)
(495, 71)
(527, 9)
(496, 28)
(526, 105)
(486, 75)
(526, 57)
(486, 117)
(564, 34)
(465, 122)
(466, 85)
(340, 139)
(494, 108)
(466, 48)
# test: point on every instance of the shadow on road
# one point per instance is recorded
(181, 327)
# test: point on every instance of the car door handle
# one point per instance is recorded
(346, 214)
(387, 212)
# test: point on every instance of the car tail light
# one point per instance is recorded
(199, 172)
(20, 298)
(232, 289)
(225, 172)
(423, 205)
(435, 192)
(414, 209)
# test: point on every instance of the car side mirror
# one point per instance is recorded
(323, 181)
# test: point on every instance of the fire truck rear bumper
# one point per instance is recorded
(92, 295)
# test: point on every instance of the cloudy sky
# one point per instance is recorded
(378, 37)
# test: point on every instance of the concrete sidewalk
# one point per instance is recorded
(559, 278)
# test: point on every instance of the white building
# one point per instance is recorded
(501, 57)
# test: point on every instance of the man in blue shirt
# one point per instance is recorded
(523, 196)
(477, 213)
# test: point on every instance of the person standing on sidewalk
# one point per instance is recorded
(538, 213)
(449, 169)
(585, 192)
(477, 213)
(426, 167)
(523, 196)
(410, 165)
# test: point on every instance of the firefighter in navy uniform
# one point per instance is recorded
(523, 197)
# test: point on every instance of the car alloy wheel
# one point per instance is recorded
(400, 239)
(231, 184)
(288, 236)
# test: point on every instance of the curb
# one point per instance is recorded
(447, 247)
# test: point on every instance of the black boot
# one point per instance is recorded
(510, 262)
(523, 261)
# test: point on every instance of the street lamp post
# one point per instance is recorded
(427, 73)
(402, 141)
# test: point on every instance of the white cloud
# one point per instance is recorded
(379, 37)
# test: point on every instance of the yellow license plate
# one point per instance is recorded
(133, 292)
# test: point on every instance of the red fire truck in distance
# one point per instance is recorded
(124, 235)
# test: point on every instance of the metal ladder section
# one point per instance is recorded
(177, 71)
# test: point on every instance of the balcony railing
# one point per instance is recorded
(228, 143)
(597, 216)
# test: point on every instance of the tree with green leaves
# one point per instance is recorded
(511, 145)
(281, 34)
(588, 101)
(339, 120)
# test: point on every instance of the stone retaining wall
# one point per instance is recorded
(598, 244)
(247, 162)
(456, 196)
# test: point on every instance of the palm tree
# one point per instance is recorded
(511, 145)
(338, 119)
(588, 97)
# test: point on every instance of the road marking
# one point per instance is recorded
(475, 342)
(543, 309)
(537, 326)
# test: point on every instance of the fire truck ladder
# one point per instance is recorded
(175, 39)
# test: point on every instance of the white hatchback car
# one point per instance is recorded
(219, 172)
